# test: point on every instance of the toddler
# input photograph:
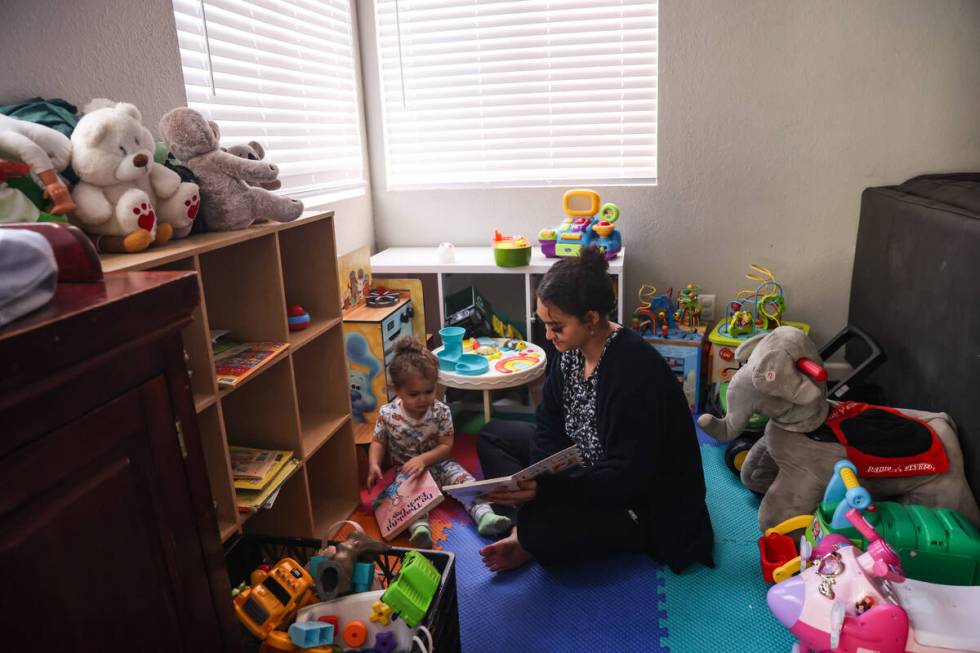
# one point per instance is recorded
(416, 432)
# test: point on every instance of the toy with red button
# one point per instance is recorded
(297, 317)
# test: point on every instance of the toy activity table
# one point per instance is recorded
(511, 369)
(478, 260)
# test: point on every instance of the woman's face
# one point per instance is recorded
(566, 332)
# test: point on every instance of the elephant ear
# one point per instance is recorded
(774, 374)
(746, 348)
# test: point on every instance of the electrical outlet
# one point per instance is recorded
(707, 308)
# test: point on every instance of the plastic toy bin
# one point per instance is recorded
(244, 553)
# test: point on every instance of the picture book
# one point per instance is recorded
(559, 462)
(253, 469)
(234, 369)
(224, 345)
(404, 500)
(250, 501)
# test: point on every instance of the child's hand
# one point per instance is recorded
(413, 467)
(374, 475)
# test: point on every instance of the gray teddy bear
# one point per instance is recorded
(230, 194)
(792, 469)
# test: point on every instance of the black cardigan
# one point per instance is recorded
(651, 461)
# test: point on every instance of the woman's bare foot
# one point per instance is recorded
(505, 554)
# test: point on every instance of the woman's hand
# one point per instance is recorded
(374, 475)
(413, 467)
(526, 491)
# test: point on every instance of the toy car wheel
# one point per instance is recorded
(736, 451)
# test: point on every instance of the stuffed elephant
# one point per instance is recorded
(782, 378)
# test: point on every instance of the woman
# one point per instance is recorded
(641, 486)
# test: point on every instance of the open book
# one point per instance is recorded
(403, 501)
(559, 462)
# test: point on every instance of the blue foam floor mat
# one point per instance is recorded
(627, 603)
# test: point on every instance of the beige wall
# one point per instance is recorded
(773, 116)
(125, 50)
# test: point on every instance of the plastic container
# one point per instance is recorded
(246, 552)
(452, 343)
(513, 257)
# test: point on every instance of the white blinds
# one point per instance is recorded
(281, 73)
(518, 92)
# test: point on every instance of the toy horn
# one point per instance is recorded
(811, 369)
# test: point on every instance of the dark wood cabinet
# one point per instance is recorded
(108, 537)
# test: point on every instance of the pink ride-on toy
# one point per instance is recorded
(853, 602)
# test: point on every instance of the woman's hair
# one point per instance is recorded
(412, 358)
(579, 284)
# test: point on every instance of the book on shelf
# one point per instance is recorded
(252, 500)
(232, 370)
(403, 500)
(553, 464)
(224, 345)
(252, 469)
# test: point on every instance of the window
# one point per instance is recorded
(518, 92)
(281, 73)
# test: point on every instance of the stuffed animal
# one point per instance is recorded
(125, 199)
(253, 151)
(47, 151)
(903, 455)
(229, 201)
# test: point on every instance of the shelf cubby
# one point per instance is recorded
(332, 474)
(298, 401)
(262, 413)
(290, 515)
(243, 290)
(308, 262)
(219, 469)
(319, 373)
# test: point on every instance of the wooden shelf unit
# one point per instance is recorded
(300, 401)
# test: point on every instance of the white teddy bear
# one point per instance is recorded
(124, 199)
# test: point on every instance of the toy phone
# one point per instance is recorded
(276, 594)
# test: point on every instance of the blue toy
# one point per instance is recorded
(590, 226)
(308, 634)
(362, 576)
(385, 642)
(362, 397)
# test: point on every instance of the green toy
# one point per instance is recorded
(411, 593)
(936, 545)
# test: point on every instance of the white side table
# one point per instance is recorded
(494, 378)
(478, 260)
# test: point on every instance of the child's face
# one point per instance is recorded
(417, 394)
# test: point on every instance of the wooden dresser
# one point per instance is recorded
(108, 536)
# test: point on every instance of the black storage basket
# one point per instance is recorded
(244, 553)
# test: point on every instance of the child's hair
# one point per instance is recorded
(579, 284)
(411, 357)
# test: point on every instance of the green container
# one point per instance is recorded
(512, 258)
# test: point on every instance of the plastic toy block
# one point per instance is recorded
(333, 620)
(355, 634)
(308, 634)
(361, 578)
(380, 613)
(385, 642)
(412, 592)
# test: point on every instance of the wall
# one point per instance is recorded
(123, 50)
(774, 115)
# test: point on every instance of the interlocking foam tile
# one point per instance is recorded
(609, 605)
(724, 609)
